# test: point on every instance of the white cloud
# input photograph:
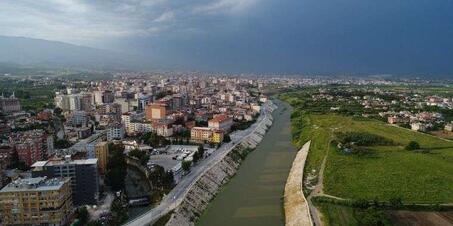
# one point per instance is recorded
(224, 6)
(164, 17)
(84, 21)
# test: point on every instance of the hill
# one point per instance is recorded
(38, 52)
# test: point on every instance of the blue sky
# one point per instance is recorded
(274, 36)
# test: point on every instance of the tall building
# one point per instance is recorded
(62, 101)
(8, 105)
(143, 100)
(31, 145)
(36, 201)
(74, 102)
(97, 97)
(156, 111)
(86, 101)
(102, 154)
(83, 173)
(115, 131)
(108, 97)
(79, 119)
(29, 151)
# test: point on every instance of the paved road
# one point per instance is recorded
(177, 195)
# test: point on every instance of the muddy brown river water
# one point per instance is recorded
(254, 196)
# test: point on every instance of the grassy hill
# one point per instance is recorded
(390, 172)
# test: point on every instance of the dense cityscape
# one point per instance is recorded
(226, 113)
(112, 148)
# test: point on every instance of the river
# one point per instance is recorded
(254, 196)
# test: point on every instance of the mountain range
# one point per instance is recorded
(54, 54)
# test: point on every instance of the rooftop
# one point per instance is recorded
(35, 184)
(56, 162)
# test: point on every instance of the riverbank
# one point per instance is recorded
(179, 194)
(205, 189)
(297, 211)
(254, 196)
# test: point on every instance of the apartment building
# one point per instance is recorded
(84, 176)
(222, 122)
(205, 134)
(102, 154)
(36, 201)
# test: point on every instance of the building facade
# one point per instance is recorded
(102, 154)
(83, 174)
(36, 201)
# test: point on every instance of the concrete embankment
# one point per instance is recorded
(207, 186)
(297, 211)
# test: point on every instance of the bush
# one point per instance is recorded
(186, 165)
(363, 139)
(413, 145)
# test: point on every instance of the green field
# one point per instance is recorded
(390, 172)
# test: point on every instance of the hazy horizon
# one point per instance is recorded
(251, 36)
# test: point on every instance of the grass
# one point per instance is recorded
(164, 219)
(336, 215)
(390, 172)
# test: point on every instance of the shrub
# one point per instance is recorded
(413, 145)
(363, 139)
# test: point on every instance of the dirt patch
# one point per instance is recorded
(415, 218)
(442, 134)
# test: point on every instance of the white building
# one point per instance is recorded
(115, 132)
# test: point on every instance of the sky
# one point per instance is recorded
(252, 36)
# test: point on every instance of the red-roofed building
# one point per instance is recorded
(222, 122)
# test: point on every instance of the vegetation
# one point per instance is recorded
(82, 215)
(242, 125)
(142, 156)
(413, 145)
(154, 140)
(161, 179)
(163, 220)
(186, 165)
(116, 167)
(59, 144)
(198, 154)
(362, 138)
(342, 215)
(119, 212)
(33, 97)
(390, 172)
(227, 138)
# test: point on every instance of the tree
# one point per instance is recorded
(186, 165)
(95, 223)
(119, 212)
(371, 216)
(83, 215)
(154, 140)
(160, 178)
(227, 138)
(196, 156)
(57, 111)
(413, 145)
(200, 151)
(59, 144)
(396, 202)
(116, 168)
(142, 156)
